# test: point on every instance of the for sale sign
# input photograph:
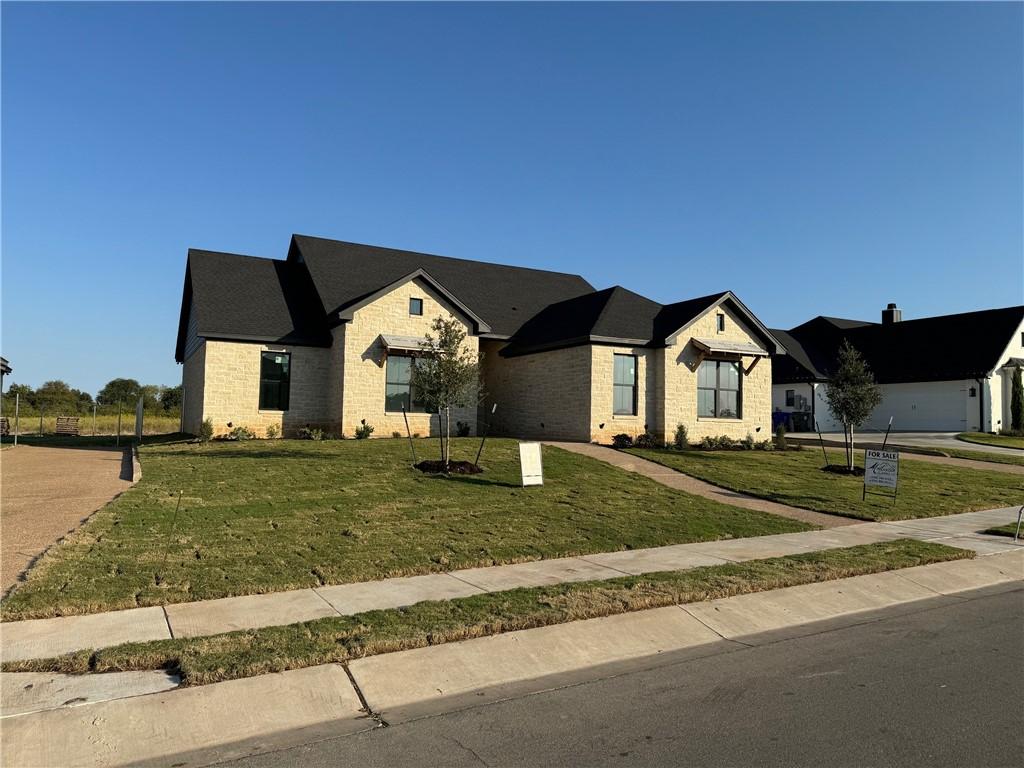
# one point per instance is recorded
(881, 468)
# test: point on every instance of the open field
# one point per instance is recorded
(796, 478)
(269, 515)
(106, 424)
(984, 438)
(274, 649)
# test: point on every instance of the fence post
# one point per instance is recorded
(117, 442)
(41, 421)
(138, 421)
(94, 419)
(17, 403)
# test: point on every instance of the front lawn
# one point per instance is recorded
(984, 438)
(990, 456)
(245, 653)
(796, 478)
(1005, 530)
(271, 515)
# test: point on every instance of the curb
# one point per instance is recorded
(136, 464)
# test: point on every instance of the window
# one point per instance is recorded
(720, 319)
(718, 389)
(275, 378)
(790, 398)
(398, 389)
(624, 388)
(415, 306)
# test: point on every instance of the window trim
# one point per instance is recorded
(412, 407)
(264, 354)
(413, 299)
(634, 386)
(718, 388)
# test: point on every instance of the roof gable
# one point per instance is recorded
(503, 297)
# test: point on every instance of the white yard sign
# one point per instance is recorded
(530, 463)
(881, 468)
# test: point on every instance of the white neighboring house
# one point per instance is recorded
(950, 373)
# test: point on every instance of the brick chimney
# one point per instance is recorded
(891, 315)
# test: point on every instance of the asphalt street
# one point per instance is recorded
(943, 686)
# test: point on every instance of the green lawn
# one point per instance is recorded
(994, 458)
(338, 639)
(796, 478)
(984, 438)
(270, 515)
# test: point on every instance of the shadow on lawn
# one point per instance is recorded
(473, 480)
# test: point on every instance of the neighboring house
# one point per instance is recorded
(326, 338)
(946, 373)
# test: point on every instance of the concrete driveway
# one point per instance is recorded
(45, 493)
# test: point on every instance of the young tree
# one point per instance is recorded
(447, 374)
(1017, 401)
(852, 394)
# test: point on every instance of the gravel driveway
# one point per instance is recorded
(45, 493)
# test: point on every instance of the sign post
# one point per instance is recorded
(881, 469)
(531, 464)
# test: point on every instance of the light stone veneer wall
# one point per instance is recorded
(541, 396)
(232, 387)
(604, 424)
(362, 363)
(680, 381)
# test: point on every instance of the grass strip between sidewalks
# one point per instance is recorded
(247, 653)
(984, 438)
(1006, 530)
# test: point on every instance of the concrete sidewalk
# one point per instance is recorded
(41, 638)
(202, 725)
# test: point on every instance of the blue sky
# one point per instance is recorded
(815, 159)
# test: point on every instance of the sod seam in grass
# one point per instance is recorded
(265, 516)
(336, 639)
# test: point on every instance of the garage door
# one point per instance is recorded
(939, 406)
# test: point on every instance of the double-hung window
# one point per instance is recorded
(624, 386)
(399, 391)
(718, 389)
(275, 380)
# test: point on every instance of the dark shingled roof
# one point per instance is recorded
(505, 297)
(944, 348)
(298, 300)
(250, 299)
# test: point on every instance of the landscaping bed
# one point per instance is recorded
(275, 649)
(270, 515)
(796, 478)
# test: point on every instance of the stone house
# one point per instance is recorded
(948, 373)
(326, 338)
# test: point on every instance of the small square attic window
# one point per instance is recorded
(415, 306)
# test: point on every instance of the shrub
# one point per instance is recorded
(311, 433)
(396, 434)
(764, 445)
(681, 441)
(272, 431)
(241, 433)
(780, 438)
(622, 441)
(462, 429)
(646, 440)
(748, 442)
(206, 431)
(364, 430)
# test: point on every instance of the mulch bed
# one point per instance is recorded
(842, 469)
(454, 467)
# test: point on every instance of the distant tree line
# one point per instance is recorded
(58, 398)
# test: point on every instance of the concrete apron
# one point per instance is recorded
(224, 721)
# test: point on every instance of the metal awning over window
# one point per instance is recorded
(717, 346)
(403, 343)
